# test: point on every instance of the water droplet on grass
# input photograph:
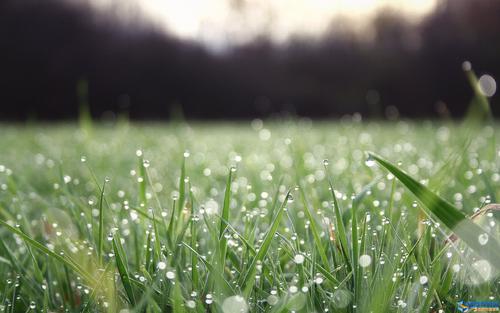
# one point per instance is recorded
(318, 280)
(235, 304)
(481, 272)
(423, 280)
(171, 275)
(370, 161)
(365, 260)
(299, 259)
(341, 298)
(272, 300)
(191, 304)
(466, 66)
(162, 266)
(487, 85)
(483, 239)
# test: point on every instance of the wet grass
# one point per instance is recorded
(248, 217)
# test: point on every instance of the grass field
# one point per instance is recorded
(241, 217)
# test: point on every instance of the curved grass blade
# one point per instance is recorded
(447, 214)
(40, 247)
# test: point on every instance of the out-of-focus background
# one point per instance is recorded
(227, 59)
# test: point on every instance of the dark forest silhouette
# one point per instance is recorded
(47, 47)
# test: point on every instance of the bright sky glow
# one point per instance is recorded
(226, 22)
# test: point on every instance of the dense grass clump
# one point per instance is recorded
(266, 217)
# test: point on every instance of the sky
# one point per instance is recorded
(219, 23)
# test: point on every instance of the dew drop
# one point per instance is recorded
(487, 85)
(423, 280)
(235, 304)
(365, 260)
(466, 66)
(481, 272)
(272, 300)
(298, 259)
(341, 298)
(170, 275)
(326, 162)
(162, 266)
(483, 239)
(370, 161)
(191, 304)
(83, 159)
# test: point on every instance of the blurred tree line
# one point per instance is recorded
(48, 47)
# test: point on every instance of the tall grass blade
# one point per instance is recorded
(100, 238)
(480, 106)
(249, 276)
(40, 247)
(223, 221)
(341, 232)
(314, 230)
(447, 214)
(121, 265)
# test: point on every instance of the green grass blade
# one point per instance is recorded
(182, 189)
(93, 294)
(213, 270)
(314, 230)
(447, 214)
(142, 178)
(157, 245)
(355, 251)
(40, 247)
(121, 265)
(100, 238)
(249, 277)
(224, 220)
(340, 230)
(480, 106)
